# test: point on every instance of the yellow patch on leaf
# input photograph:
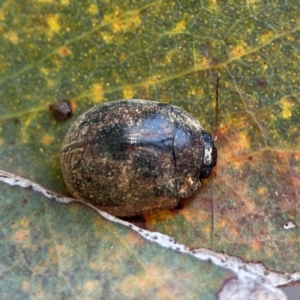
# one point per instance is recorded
(21, 235)
(202, 63)
(53, 22)
(266, 38)
(286, 105)
(97, 91)
(147, 281)
(24, 223)
(51, 83)
(12, 36)
(196, 91)
(180, 26)
(238, 51)
(240, 142)
(25, 286)
(44, 71)
(128, 93)
(2, 17)
(93, 9)
(107, 37)
(45, 1)
(47, 139)
(128, 24)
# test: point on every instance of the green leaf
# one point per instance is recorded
(92, 52)
(56, 251)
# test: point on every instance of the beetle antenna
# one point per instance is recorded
(216, 109)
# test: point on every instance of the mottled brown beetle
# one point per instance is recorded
(131, 157)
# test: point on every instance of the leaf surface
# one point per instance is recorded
(171, 52)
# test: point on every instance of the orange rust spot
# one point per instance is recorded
(238, 51)
(255, 244)
(261, 191)
(64, 51)
(73, 104)
(123, 57)
(21, 235)
(207, 229)
(233, 232)
(155, 217)
(47, 139)
(223, 128)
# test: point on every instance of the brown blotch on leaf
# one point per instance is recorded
(262, 83)
(215, 61)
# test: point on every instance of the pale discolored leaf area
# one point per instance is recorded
(92, 52)
(54, 251)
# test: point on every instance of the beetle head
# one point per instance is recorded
(210, 155)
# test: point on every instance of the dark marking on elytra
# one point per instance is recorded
(111, 141)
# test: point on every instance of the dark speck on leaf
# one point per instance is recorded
(262, 82)
(215, 61)
(62, 110)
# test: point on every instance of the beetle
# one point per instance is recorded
(132, 157)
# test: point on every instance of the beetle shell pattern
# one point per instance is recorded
(131, 157)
